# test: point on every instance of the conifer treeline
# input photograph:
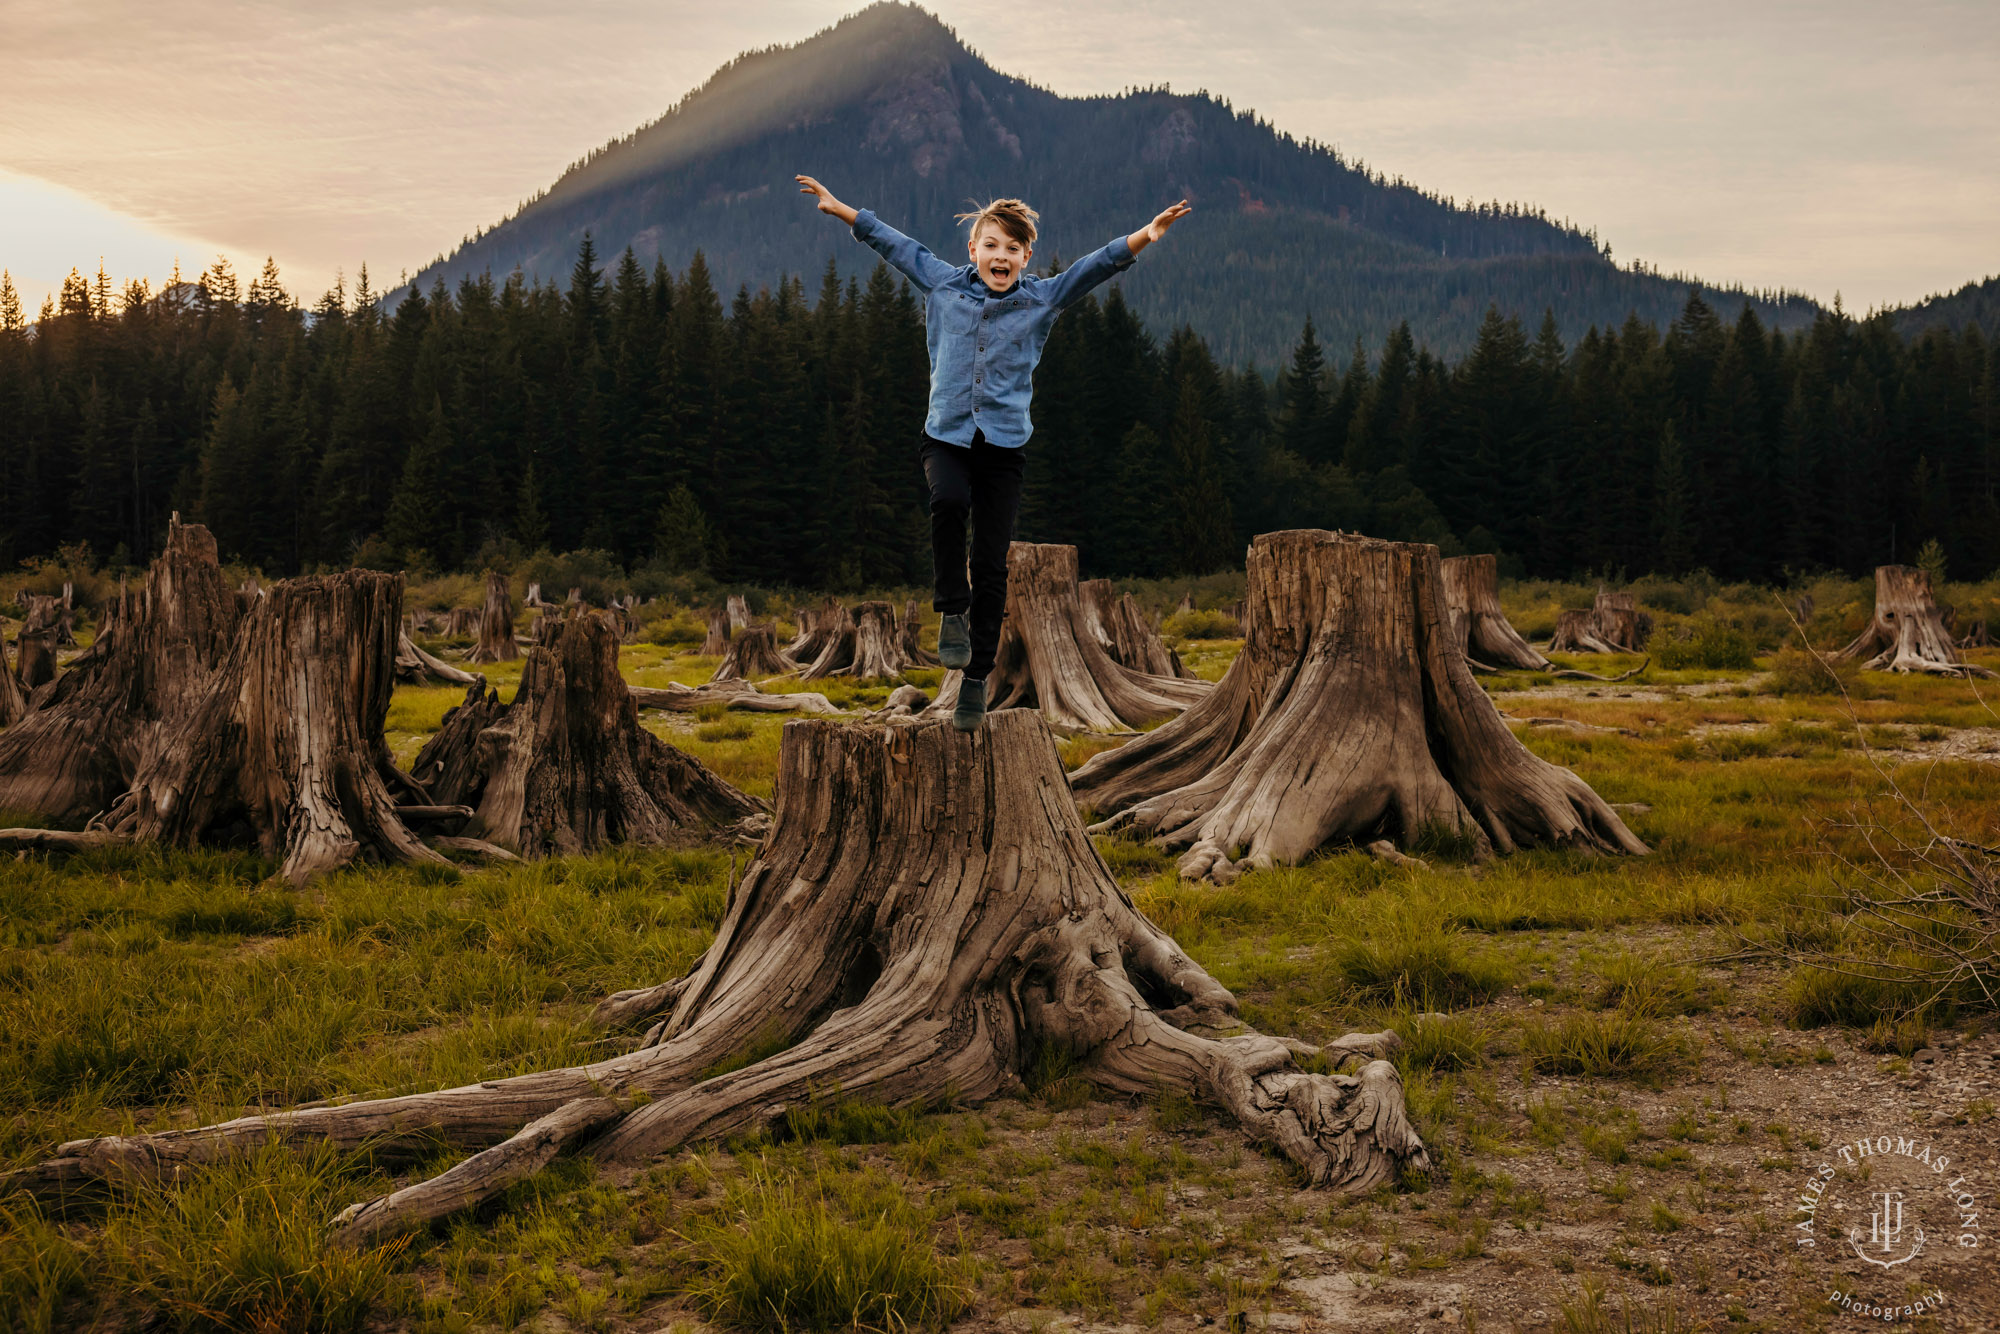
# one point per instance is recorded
(774, 440)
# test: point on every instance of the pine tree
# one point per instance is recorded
(1201, 531)
(416, 509)
(1302, 418)
(1671, 519)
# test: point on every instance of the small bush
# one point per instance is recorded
(1710, 644)
(1612, 1044)
(1794, 671)
(729, 729)
(677, 629)
(789, 1263)
(1644, 986)
(1201, 625)
(1410, 954)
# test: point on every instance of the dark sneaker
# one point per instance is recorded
(955, 640)
(971, 710)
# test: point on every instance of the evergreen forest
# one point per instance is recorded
(770, 437)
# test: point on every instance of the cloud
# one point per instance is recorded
(1813, 145)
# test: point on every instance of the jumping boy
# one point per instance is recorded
(986, 322)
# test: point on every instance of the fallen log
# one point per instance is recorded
(417, 667)
(733, 694)
(926, 917)
(1349, 714)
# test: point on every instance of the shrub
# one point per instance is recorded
(1611, 1044)
(1410, 954)
(1201, 625)
(675, 629)
(1710, 644)
(1795, 671)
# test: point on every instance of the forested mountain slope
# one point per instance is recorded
(895, 114)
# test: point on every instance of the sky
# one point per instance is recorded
(1829, 146)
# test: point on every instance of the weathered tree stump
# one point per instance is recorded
(1907, 633)
(817, 629)
(13, 699)
(926, 917)
(1619, 622)
(1576, 632)
(753, 654)
(566, 767)
(1127, 633)
(865, 642)
(1978, 636)
(1050, 661)
(1472, 596)
(35, 649)
(1349, 714)
(462, 623)
(496, 623)
(82, 746)
(287, 736)
(738, 610)
(803, 619)
(914, 652)
(417, 667)
(717, 642)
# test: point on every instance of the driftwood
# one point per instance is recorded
(1125, 632)
(926, 917)
(1472, 597)
(566, 767)
(287, 737)
(418, 667)
(914, 652)
(735, 694)
(1050, 661)
(865, 642)
(752, 654)
(903, 702)
(1906, 633)
(86, 741)
(1349, 714)
(496, 623)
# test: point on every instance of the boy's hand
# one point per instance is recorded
(1157, 228)
(827, 203)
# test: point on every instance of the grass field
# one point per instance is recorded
(1618, 1102)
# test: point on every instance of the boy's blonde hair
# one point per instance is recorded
(1011, 216)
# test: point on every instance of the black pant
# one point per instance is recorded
(984, 482)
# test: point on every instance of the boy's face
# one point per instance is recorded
(1001, 259)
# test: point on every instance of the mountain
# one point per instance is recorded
(894, 113)
(1973, 304)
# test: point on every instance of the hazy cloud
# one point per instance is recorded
(1819, 146)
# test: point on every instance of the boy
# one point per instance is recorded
(986, 322)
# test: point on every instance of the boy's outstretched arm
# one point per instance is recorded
(827, 203)
(1101, 263)
(909, 257)
(1157, 228)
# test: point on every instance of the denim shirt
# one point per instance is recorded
(984, 344)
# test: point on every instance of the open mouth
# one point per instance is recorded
(1002, 272)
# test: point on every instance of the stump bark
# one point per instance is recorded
(864, 642)
(914, 652)
(1472, 596)
(1126, 633)
(1907, 632)
(496, 623)
(566, 767)
(926, 918)
(1349, 715)
(287, 736)
(716, 643)
(82, 746)
(1050, 661)
(752, 655)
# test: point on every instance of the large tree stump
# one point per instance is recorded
(1978, 636)
(1126, 632)
(1619, 622)
(926, 917)
(462, 623)
(816, 630)
(753, 654)
(1349, 714)
(496, 623)
(1907, 632)
(1050, 661)
(287, 738)
(82, 746)
(566, 767)
(1472, 596)
(1576, 632)
(35, 649)
(13, 699)
(738, 610)
(865, 642)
